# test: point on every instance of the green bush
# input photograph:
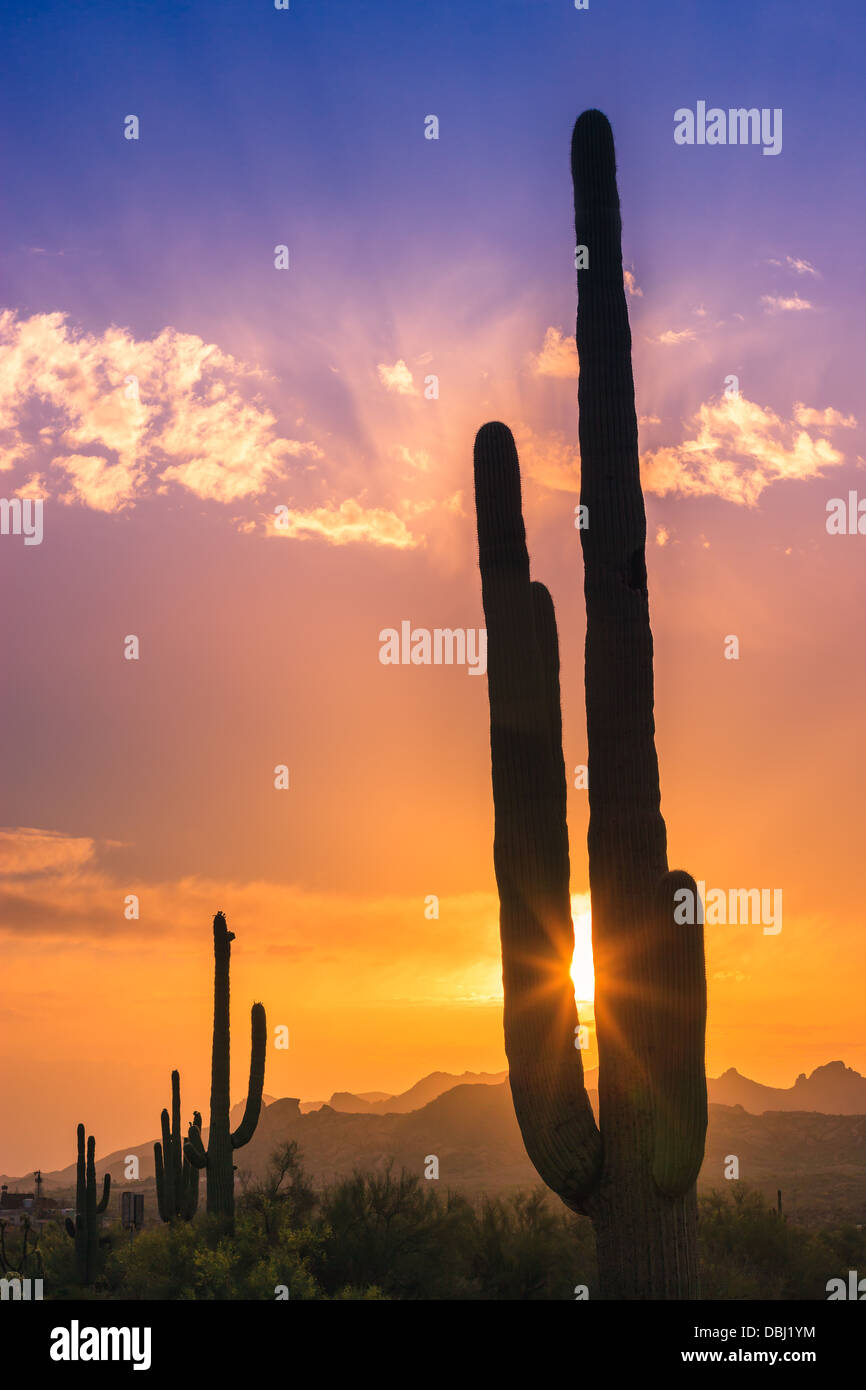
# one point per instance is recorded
(385, 1236)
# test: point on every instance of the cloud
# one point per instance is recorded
(631, 284)
(801, 267)
(558, 356)
(398, 378)
(105, 487)
(25, 850)
(779, 304)
(663, 535)
(123, 418)
(344, 525)
(825, 419)
(737, 449)
(360, 945)
(672, 336)
(549, 459)
(798, 265)
(416, 459)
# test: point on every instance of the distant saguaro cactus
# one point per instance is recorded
(85, 1229)
(176, 1177)
(26, 1261)
(635, 1177)
(218, 1158)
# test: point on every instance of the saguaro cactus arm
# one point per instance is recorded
(678, 998)
(102, 1204)
(165, 1171)
(193, 1147)
(530, 840)
(258, 1046)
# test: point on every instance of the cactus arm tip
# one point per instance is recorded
(193, 1147)
(259, 1030)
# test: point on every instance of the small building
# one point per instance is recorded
(15, 1206)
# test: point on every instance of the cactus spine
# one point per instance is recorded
(635, 1177)
(85, 1229)
(218, 1158)
(176, 1177)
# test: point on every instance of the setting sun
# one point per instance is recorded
(582, 972)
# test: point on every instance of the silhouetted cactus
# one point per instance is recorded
(176, 1177)
(636, 1177)
(85, 1229)
(217, 1159)
(26, 1261)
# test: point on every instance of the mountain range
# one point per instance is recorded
(833, 1089)
(817, 1156)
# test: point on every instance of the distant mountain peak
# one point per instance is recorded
(831, 1089)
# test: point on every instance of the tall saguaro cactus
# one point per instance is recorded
(176, 1177)
(85, 1230)
(635, 1173)
(218, 1158)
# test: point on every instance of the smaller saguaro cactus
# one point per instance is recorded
(176, 1177)
(84, 1230)
(218, 1158)
(24, 1262)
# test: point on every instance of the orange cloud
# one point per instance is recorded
(106, 487)
(558, 356)
(828, 419)
(549, 459)
(344, 525)
(631, 284)
(25, 850)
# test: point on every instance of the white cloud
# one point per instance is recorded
(672, 336)
(398, 378)
(798, 265)
(737, 449)
(780, 304)
(124, 417)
